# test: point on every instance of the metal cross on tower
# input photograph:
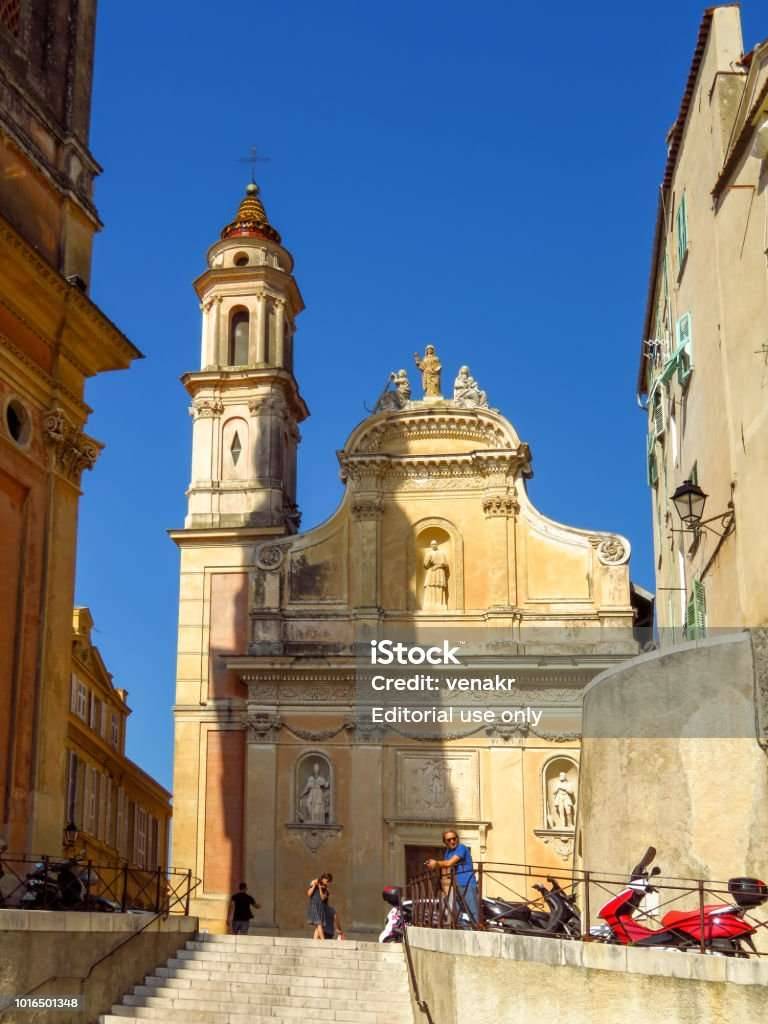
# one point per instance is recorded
(254, 158)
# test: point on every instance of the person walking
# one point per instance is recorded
(458, 858)
(241, 907)
(319, 907)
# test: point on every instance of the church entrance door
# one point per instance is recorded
(415, 857)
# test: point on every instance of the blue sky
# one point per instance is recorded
(482, 178)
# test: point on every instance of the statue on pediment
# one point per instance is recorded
(466, 390)
(430, 367)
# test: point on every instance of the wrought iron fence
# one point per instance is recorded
(53, 883)
(540, 901)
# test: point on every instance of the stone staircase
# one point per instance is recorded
(255, 979)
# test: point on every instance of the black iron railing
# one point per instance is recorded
(53, 883)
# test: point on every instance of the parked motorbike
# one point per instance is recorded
(394, 926)
(719, 927)
(59, 886)
(560, 919)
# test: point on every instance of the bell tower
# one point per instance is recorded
(246, 405)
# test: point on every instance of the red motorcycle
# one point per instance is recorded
(718, 928)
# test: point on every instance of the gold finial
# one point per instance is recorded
(430, 367)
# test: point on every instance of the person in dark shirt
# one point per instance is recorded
(241, 907)
(318, 892)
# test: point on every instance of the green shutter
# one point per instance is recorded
(682, 231)
(696, 612)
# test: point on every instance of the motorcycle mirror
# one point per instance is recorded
(639, 869)
(655, 870)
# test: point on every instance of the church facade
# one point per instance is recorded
(283, 766)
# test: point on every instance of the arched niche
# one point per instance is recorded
(239, 326)
(559, 781)
(314, 790)
(235, 449)
(436, 554)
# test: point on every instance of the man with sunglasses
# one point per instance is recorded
(458, 857)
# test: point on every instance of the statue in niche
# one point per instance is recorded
(315, 799)
(430, 367)
(466, 390)
(396, 394)
(435, 577)
(562, 803)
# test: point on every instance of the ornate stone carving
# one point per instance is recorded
(561, 842)
(466, 391)
(369, 732)
(430, 367)
(396, 394)
(464, 426)
(319, 735)
(366, 508)
(263, 727)
(561, 802)
(203, 407)
(313, 792)
(314, 836)
(436, 573)
(73, 451)
(611, 550)
(500, 505)
(270, 557)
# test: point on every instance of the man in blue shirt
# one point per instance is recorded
(458, 857)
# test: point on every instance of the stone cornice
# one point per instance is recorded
(479, 466)
(97, 336)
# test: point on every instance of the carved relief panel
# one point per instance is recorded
(438, 785)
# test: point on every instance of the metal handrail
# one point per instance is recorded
(192, 884)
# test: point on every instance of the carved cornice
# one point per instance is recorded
(498, 468)
(73, 451)
(450, 425)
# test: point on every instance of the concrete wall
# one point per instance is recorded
(671, 757)
(490, 978)
(38, 944)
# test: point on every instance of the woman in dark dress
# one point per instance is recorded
(318, 893)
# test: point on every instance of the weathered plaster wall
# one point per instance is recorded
(37, 945)
(490, 978)
(670, 758)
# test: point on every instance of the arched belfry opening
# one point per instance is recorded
(239, 324)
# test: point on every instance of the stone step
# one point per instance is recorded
(320, 952)
(397, 981)
(315, 1007)
(232, 1015)
(280, 942)
(373, 975)
(268, 994)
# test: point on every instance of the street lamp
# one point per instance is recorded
(70, 834)
(689, 501)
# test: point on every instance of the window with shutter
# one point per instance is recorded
(682, 231)
(684, 340)
(696, 612)
(658, 413)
